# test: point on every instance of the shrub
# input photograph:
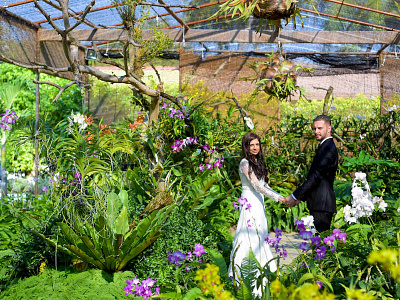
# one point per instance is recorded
(181, 232)
(67, 284)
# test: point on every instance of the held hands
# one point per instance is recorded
(289, 201)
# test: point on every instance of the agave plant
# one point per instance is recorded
(110, 242)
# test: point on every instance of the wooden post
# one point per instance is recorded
(381, 62)
(36, 138)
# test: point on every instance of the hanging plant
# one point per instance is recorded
(272, 11)
(277, 77)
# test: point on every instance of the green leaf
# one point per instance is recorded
(112, 201)
(170, 296)
(176, 172)
(218, 260)
(325, 281)
(4, 253)
(123, 196)
(121, 223)
(244, 293)
(193, 294)
(305, 277)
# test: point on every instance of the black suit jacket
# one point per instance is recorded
(318, 188)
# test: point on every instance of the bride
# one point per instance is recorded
(252, 228)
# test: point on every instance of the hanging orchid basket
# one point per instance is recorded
(277, 77)
(272, 9)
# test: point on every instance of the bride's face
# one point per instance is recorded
(254, 147)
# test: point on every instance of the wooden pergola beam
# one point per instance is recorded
(237, 36)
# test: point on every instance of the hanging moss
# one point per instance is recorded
(91, 284)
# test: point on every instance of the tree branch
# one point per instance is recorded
(105, 60)
(73, 15)
(82, 18)
(166, 5)
(158, 74)
(48, 18)
(61, 88)
(36, 67)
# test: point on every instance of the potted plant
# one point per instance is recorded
(273, 11)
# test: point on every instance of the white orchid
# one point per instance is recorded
(382, 205)
(79, 119)
(363, 204)
(309, 223)
(249, 122)
(360, 176)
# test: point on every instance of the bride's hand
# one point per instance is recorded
(281, 199)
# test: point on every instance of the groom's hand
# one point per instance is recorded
(289, 201)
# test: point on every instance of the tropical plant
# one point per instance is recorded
(110, 242)
(272, 11)
(277, 77)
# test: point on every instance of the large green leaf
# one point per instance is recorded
(146, 233)
(244, 293)
(123, 196)
(249, 270)
(53, 243)
(93, 249)
(84, 256)
(121, 223)
(218, 260)
(193, 294)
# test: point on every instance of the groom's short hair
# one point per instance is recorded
(324, 118)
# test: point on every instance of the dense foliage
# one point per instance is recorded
(153, 199)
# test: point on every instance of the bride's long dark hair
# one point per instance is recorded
(256, 162)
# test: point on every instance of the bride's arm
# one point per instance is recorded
(252, 178)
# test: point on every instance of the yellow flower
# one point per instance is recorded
(310, 291)
(389, 259)
(42, 267)
(209, 282)
(395, 273)
(358, 295)
(276, 287)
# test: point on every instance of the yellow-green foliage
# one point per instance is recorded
(51, 284)
(344, 107)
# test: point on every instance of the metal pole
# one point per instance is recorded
(36, 137)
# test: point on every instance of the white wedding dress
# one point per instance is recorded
(252, 228)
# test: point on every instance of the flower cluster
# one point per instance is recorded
(178, 258)
(180, 144)
(208, 149)
(175, 113)
(389, 259)
(274, 242)
(217, 164)
(79, 119)
(139, 120)
(141, 289)
(307, 232)
(304, 291)
(242, 203)
(363, 204)
(249, 122)
(209, 282)
(8, 118)
(358, 294)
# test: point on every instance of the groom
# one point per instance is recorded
(318, 188)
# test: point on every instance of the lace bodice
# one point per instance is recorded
(251, 182)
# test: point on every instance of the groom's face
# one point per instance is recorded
(321, 130)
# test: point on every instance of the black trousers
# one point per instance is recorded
(322, 219)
